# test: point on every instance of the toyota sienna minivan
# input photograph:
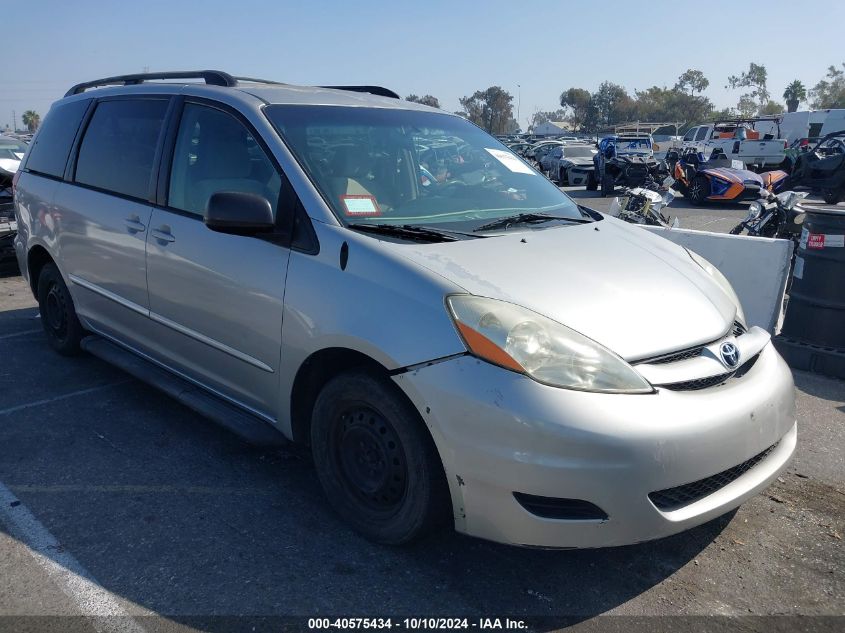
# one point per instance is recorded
(454, 337)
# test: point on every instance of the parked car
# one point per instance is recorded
(571, 164)
(719, 179)
(479, 351)
(737, 139)
(536, 151)
(823, 168)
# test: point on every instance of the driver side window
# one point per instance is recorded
(690, 135)
(215, 152)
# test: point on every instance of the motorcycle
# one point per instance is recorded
(774, 215)
(642, 205)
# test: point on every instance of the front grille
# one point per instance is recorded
(737, 329)
(712, 381)
(680, 496)
(692, 352)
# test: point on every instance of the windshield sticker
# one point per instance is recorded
(510, 161)
(360, 206)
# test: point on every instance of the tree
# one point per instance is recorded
(577, 102)
(755, 77)
(665, 104)
(425, 100)
(794, 94)
(772, 107)
(491, 109)
(747, 106)
(540, 117)
(692, 81)
(830, 92)
(612, 105)
(31, 119)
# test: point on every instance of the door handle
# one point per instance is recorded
(163, 234)
(134, 225)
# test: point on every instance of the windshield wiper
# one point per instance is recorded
(408, 231)
(527, 218)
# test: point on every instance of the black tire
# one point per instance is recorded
(832, 196)
(592, 184)
(561, 177)
(376, 460)
(606, 185)
(58, 314)
(737, 229)
(699, 189)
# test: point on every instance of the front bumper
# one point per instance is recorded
(578, 175)
(499, 432)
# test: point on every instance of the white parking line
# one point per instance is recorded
(92, 600)
(64, 396)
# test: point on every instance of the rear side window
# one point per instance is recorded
(689, 136)
(118, 149)
(51, 147)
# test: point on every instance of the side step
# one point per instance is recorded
(247, 426)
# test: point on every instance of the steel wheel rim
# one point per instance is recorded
(370, 459)
(55, 316)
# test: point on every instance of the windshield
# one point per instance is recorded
(376, 165)
(12, 150)
(578, 152)
(633, 145)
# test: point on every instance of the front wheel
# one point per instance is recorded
(736, 230)
(376, 461)
(698, 190)
(606, 185)
(58, 315)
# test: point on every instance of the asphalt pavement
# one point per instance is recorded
(122, 505)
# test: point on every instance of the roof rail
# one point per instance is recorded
(373, 90)
(211, 77)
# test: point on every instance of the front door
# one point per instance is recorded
(215, 298)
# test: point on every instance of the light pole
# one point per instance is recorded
(518, 103)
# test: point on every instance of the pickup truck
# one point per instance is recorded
(738, 141)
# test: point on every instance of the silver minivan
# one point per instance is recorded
(456, 339)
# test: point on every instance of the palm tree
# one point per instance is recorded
(31, 119)
(794, 94)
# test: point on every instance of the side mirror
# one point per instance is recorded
(239, 213)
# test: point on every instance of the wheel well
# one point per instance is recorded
(315, 372)
(37, 258)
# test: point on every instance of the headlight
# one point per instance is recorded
(754, 210)
(720, 279)
(523, 341)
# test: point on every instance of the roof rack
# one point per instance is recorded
(379, 91)
(211, 78)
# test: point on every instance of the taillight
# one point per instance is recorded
(15, 180)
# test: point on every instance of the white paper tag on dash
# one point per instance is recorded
(798, 272)
(510, 161)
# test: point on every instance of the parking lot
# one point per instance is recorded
(118, 501)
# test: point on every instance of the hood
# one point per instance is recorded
(734, 175)
(636, 293)
(580, 161)
(9, 165)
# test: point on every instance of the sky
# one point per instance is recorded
(447, 49)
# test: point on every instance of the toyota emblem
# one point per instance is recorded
(730, 354)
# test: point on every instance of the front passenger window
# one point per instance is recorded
(215, 152)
